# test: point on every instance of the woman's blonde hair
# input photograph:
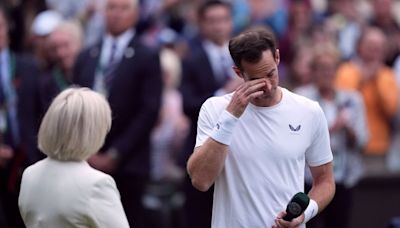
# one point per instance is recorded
(75, 125)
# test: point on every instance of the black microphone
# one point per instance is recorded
(296, 206)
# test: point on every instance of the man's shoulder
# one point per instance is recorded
(299, 99)
(216, 104)
(218, 101)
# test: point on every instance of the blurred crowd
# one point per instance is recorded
(157, 61)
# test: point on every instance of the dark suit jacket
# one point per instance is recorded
(134, 97)
(25, 74)
(48, 89)
(198, 84)
(28, 109)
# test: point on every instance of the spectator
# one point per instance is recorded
(345, 21)
(345, 114)
(164, 193)
(89, 12)
(172, 128)
(42, 26)
(299, 72)
(383, 18)
(377, 85)
(128, 74)
(65, 42)
(271, 13)
(299, 28)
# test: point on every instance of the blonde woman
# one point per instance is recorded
(63, 190)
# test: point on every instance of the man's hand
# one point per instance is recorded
(103, 162)
(280, 223)
(244, 94)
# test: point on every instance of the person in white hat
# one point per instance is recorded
(44, 24)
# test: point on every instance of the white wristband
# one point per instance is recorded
(223, 129)
(311, 211)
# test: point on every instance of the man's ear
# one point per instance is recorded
(277, 57)
(237, 71)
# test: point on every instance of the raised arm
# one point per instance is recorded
(214, 136)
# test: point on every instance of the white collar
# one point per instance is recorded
(122, 42)
(124, 37)
(211, 46)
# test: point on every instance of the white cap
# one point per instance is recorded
(45, 22)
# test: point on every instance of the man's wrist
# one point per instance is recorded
(311, 211)
(224, 127)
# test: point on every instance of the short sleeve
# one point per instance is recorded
(105, 205)
(319, 152)
(205, 124)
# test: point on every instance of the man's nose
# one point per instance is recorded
(268, 85)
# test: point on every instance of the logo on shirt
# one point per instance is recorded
(217, 126)
(294, 129)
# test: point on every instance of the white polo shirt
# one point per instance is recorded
(266, 159)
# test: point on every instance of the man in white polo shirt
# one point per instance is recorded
(253, 144)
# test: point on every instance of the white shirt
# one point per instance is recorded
(121, 42)
(265, 163)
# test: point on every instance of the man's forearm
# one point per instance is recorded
(323, 188)
(322, 194)
(206, 163)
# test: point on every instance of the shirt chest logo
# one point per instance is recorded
(294, 129)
